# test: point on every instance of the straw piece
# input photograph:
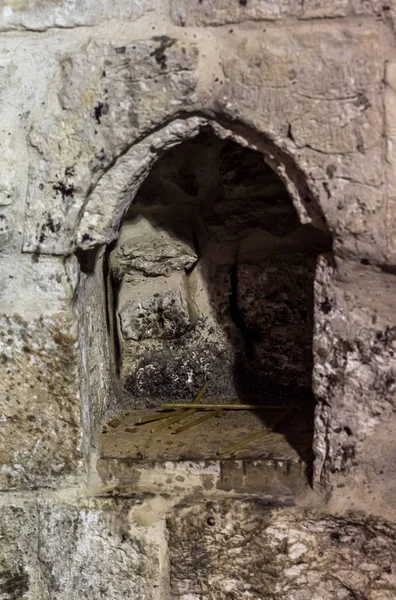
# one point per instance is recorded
(168, 406)
(150, 418)
(254, 436)
(209, 415)
(180, 414)
(201, 393)
(178, 417)
(158, 417)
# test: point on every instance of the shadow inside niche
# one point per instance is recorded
(214, 279)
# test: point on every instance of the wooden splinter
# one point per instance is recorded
(205, 417)
(253, 407)
(181, 414)
(254, 436)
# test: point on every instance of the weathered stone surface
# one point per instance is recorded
(43, 14)
(162, 316)
(109, 96)
(40, 430)
(243, 550)
(96, 348)
(20, 574)
(354, 361)
(109, 201)
(390, 123)
(272, 480)
(143, 249)
(59, 550)
(221, 12)
(292, 96)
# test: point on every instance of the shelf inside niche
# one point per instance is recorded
(121, 437)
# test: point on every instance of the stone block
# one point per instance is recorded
(45, 14)
(236, 549)
(109, 95)
(283, 87)
(162, 316)
(145, 249)
(41, 431)
(390, 124)
(20, 574)
(354, 362)
(221, 12)
(51, 549)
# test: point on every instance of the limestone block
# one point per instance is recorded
(20, 574)
(176, 368)
(109, 201)
(328, 111)
(390, 123)
(221, 12)
(97, 550)
(236, 549)
(144, 249)
(41, 433)
(160, 316)
(44, 14)
(108, 96)
(319, 9)
(56, 550)
(354, 362)
(5, 229)
(95, 312)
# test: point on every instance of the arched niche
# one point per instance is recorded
(160, 288)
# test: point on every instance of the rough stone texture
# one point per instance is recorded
(390, 123)
(103, 91)
(43, 14)
(322, 120)
(222, 12)
(243, 550)
(20, 573)
(40, 434)
(161, 316)
(142, 249)
(330, 120)
(354, 361)
(60, 550)
(87, 110)
(272, 480)
(96, 351)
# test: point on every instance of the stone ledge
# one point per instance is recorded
(274, 481)
(44, 14)
(222, 12)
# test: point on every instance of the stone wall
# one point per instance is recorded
(92, 96)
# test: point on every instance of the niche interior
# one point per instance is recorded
(211, 280)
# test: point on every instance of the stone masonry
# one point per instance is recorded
(100, 101)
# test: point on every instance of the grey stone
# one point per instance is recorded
(242, 549)
(354, 362)
(145, 249)
(162, 316)
(103, 91)
(221, 12)
(53, 550)
(45, 14)
(20, 573)
(41, 431)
